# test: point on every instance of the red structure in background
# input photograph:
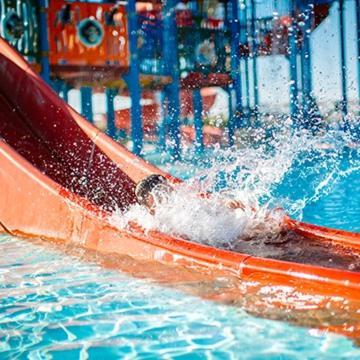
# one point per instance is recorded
(208, 99)
(273, 36)
(151, 114)
(88, 41)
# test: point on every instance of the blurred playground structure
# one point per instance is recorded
(195, 71)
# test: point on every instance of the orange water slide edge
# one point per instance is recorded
(67, 217)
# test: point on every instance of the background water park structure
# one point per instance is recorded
(161, 70)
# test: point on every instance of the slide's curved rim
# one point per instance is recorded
(68, 217)
(342, 237)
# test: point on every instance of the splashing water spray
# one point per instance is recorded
(254, 176)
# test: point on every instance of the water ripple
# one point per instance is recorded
(56, 306)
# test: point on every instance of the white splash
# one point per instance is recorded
(183, 213)
(252, 175)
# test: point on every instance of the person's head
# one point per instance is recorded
(144, 189)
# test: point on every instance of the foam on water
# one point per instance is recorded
(254, 175)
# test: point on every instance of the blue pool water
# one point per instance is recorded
(340, 208)
(57, 306)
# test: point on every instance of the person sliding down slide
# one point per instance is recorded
(156, 187)
(153, 185)
(202, 217)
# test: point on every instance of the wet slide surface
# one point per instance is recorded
(69, 159)
(296, 248)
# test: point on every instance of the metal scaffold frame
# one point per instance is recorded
(240, 36)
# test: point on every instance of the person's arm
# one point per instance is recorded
(229, 203)
(234, 204)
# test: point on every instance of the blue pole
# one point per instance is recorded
(231, 126)
(44, 41)
(293, 51)
(247, 83)
(86, 102)
(244, 40)
(357, 4)
(110, 128)
(132, 79)
(170, 54)
(254, 59)
(235, 68)
(242, 15)
(198, 123)
(306, 63)
(344, 103)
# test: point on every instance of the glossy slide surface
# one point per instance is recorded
(60, 178)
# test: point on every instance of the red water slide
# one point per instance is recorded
(60, 178)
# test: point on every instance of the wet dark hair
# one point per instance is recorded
(145, 186)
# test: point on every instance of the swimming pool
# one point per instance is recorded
(55, 305)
